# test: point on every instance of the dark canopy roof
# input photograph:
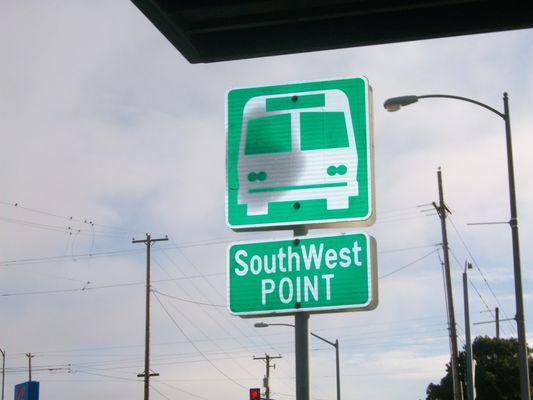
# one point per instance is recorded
(217, 30)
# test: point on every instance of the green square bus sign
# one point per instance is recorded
(314, 274)
(300, 153)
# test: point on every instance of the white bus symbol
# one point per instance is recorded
(296, 147)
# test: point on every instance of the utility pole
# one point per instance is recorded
(266, 384)
(442, 210)
(469, 356)
(148, 242)
(3, 370)
(519, 295)
(497, 320)
(30, 356)
(497, 314)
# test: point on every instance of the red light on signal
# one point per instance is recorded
(255, 394)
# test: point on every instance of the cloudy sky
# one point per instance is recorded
(108, 133)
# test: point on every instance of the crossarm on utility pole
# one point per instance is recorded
(267, 358)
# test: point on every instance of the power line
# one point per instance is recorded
(18, 205)
(473, 285)
(398, 250)
(191, 321)
(201, 276)
(106, 376)
(195, 346)
(57, 228)
(90, 288)
(63, 257)
(159, 393)
(182, 390)
(408, 264)
(480, 271)
(347, 327)
(34, 260)
(216, 290)
(188, 300)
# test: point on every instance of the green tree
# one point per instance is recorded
(497, 372)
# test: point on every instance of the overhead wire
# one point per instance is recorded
(407, 265)
(214, 290)
(188, 300)
(422, 321)
(191, 342)
(181, 390)
(217, 291)
(474, 260)
(477, 291)
(159, 392)
(209, 316)
(402, 249)
(86, 221)
(219, 242)
(56, 228)
(109, 286)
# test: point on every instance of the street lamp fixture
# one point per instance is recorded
(335, 344)
(394, 104)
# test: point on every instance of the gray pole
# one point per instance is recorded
(147, 323)
(301, 342)
(3, 370)
(520, 322)
(148, 241)
(30, 356)
(442, 210)
(338, 369)
(469, 373)
(301, 346)
(497, 313)
(267, 389)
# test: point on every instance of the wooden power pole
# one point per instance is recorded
(146, 374)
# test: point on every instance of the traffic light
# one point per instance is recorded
(255, 394)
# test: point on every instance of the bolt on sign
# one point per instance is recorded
(300, 153)
(312, 274)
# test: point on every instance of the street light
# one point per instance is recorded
(394, 104)
(334, 344)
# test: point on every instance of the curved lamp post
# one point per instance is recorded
(334, 344)
(394, 104)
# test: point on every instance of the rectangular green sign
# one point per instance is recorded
(300, 153)
(312, 274)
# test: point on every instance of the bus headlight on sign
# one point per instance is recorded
(311, 274)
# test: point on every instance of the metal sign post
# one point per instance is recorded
(301, 347)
